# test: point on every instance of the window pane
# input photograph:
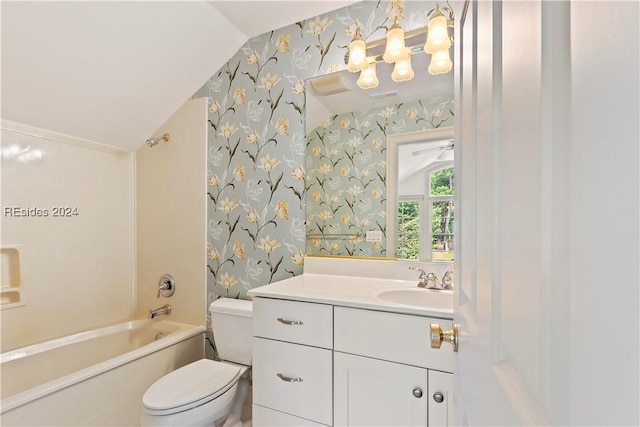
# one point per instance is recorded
(442, 182)
(408, 230)
(442, 229)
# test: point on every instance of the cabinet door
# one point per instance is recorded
(371, 392)
(440, 399)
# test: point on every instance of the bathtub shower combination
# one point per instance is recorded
(96, 377)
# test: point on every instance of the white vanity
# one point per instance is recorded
(337, 349)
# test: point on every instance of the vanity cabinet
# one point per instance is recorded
(386, 373)
(324, 364)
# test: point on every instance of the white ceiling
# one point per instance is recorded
(115, 71)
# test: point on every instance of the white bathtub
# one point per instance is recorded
(96, 377)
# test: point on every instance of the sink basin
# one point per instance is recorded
(419, 297)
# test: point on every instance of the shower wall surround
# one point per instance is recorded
(256, 142)
(76, 263)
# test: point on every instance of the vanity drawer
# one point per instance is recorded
(265, 417)
(293, 378)
(293, 321)
(395, 337)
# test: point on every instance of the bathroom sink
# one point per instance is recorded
(419, 297)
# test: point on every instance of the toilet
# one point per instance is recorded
(206, 392)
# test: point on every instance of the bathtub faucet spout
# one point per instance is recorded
(165, 309)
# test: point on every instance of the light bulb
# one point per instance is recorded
(395, 48)
(357, 54)
(368, 78)
(440, 62)
(403, 71)
(437, 34)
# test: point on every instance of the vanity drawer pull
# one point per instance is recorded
(289, 322)
(290, 379)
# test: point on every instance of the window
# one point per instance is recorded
(426, 224)
(441, 214)
(409, 226)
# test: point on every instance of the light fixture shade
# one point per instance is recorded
(437, 34)
(368, 78)
(357, 54)
(395, 48)
(403, 71)
(440, 62)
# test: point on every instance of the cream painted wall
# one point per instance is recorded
(76, 272)
(171, 207)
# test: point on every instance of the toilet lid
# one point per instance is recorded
(190, 385)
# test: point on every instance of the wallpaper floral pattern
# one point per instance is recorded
(256, 147)
(346, 173)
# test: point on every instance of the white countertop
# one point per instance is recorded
(357, 292)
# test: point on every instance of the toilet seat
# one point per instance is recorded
(192, 385)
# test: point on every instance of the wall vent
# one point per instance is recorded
(384, 96)
(329, 84)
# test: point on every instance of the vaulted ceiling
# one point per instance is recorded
(114, 71)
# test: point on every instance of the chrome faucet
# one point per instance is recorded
(426, 280)
(432, 282)
(165, 309)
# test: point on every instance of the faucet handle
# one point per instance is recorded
(447, 280)
(423, 277)
(422, 272)
(166, 286)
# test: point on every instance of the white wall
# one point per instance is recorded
(76, 272)
(171, 197)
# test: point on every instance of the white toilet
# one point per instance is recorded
(206, 392)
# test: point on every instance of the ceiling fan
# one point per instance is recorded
(448, 146)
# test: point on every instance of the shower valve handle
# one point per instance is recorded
(166, 286)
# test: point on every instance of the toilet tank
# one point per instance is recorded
(233, 329)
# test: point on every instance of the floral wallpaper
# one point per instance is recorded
(346, 173)
(256, 143)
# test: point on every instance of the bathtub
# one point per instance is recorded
(96, 377)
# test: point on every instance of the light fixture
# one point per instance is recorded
(440, 62)
(437, 33)
(357, 53)
(402, 71)
(368, 78)
(438, 41)
(395, 49)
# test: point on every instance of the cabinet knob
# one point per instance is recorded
(417, 392)
(438, 397)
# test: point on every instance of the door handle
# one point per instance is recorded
(438, 336)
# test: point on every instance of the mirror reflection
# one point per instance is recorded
(420, 214)
(349, 209)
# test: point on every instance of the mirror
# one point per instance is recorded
(420, 209)
(348, 204)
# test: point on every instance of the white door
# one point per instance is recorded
(547, 163)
